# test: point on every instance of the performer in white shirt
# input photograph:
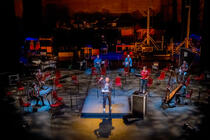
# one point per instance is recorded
(106, 87)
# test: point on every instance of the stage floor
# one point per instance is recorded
(93, 105)
(67, 123)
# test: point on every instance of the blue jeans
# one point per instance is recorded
(105, 96)
(143, 85)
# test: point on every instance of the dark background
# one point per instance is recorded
(33, 23)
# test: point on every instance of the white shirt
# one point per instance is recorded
(106, 88)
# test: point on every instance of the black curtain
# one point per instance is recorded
(32, 17)
(9, 48)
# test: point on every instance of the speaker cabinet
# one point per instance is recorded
(139, 105)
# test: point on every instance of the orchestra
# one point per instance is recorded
(40, 90)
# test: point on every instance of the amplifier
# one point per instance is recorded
(139, 105)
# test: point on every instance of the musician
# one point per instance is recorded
(106, 87)
(39, 77)
(36, 94)
(83, 64)
(181, 94)
(172, 102)
(97, 64)
(172, 80)
(128, 62)
(183, 70)
(170, 87)
(144, 79)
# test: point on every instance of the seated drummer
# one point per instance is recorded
(36, 94)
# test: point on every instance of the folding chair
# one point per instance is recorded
(162, 76)
(118, 83)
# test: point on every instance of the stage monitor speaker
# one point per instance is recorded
(139, 105)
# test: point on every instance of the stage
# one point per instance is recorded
(93, 105)
(85, 118)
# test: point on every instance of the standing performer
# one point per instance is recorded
(106, 87)
(144, 79)
(128, 62)
(97, 64)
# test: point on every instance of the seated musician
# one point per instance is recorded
(36, 94)
(172, 102)
(172, 81)
(144, 79)
(83, 64)
(97, 64)
(40, 77)
(171, 84)
(181, 94)
(38, 74)
(183, 70)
